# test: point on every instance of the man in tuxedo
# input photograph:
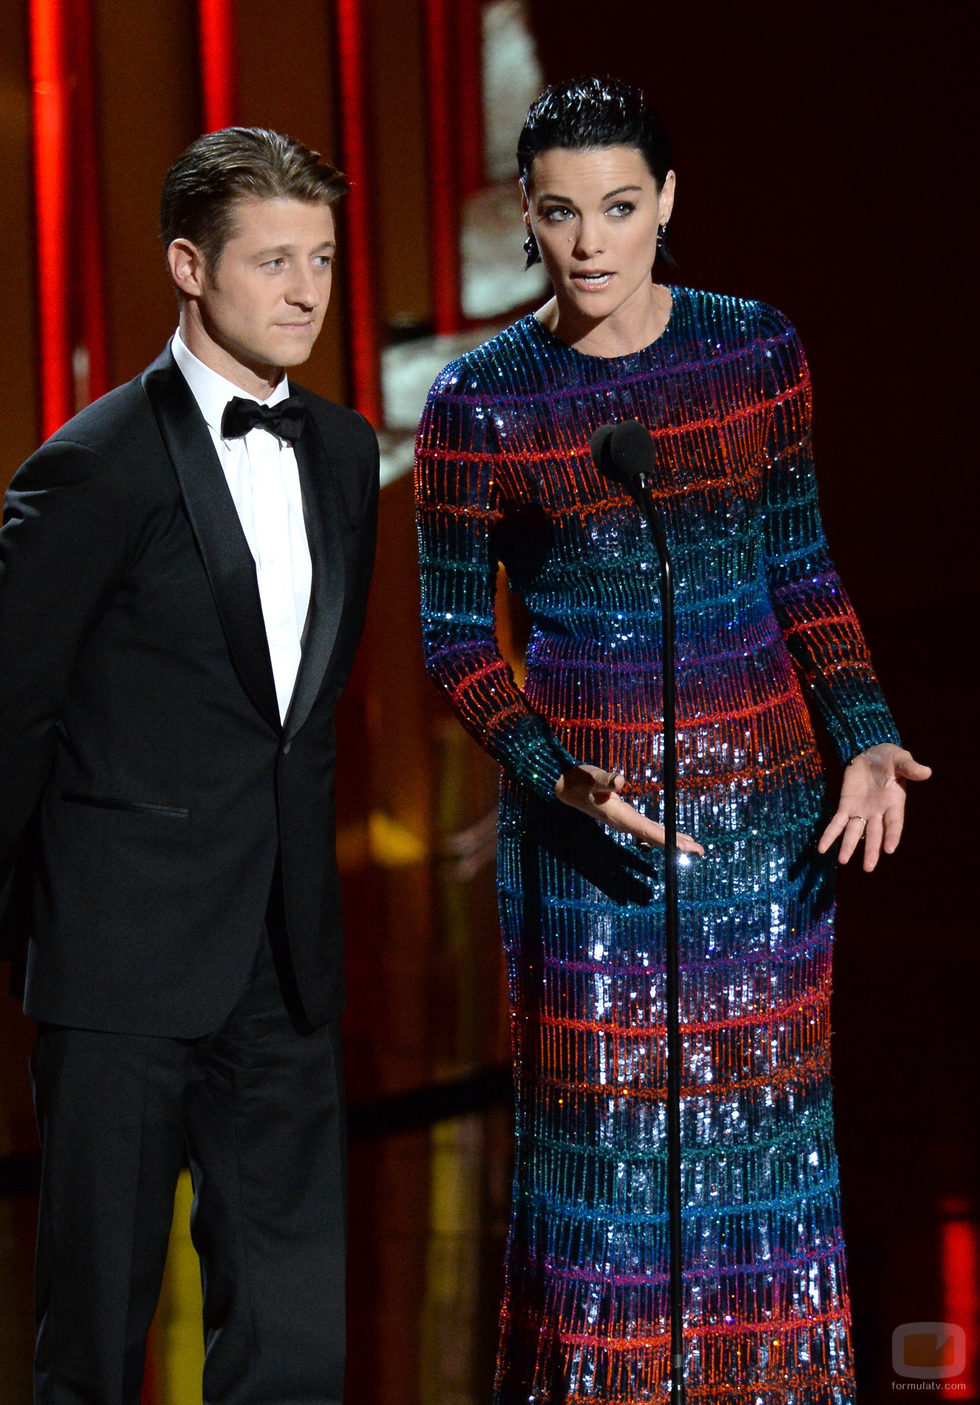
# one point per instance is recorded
(183, 577)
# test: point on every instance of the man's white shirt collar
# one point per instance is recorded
(211, 391)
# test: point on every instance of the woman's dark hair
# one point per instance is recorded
(586, 113)
(207, 180)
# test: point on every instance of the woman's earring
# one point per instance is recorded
(661, 235)
(531, 249)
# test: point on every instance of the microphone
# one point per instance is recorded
(628, 453)
(624, 451)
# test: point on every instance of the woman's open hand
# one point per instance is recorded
(596, 793)
(872, 803)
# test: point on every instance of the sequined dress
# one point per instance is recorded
(504, 473)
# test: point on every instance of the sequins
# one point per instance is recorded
(504, 472)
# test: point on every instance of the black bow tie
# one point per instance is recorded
(285, 420)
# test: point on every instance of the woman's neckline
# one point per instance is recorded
(551, 336)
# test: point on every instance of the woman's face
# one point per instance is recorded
(595, 215)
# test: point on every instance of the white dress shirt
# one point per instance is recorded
(263, 478)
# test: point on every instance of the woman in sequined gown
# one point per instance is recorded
(504, 473)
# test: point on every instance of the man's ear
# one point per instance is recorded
(187, 267)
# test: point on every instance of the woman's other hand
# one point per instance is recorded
(596, 793)
(872, 803)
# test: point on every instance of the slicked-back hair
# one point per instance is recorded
(206, 182)
(587, 113)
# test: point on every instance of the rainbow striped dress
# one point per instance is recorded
(762, 623)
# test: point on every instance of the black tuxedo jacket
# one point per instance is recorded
(141, 749)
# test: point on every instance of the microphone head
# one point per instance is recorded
(624, 451)
(599, 445)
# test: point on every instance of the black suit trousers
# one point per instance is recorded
(257, 1107)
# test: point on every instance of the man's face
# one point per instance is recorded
(260, 309)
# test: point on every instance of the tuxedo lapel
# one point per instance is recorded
(317, 470)
(214, 521)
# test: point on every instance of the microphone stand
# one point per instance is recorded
(641, 492)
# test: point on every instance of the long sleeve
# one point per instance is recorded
(818, 621)
(460, 509)
(62, 549)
